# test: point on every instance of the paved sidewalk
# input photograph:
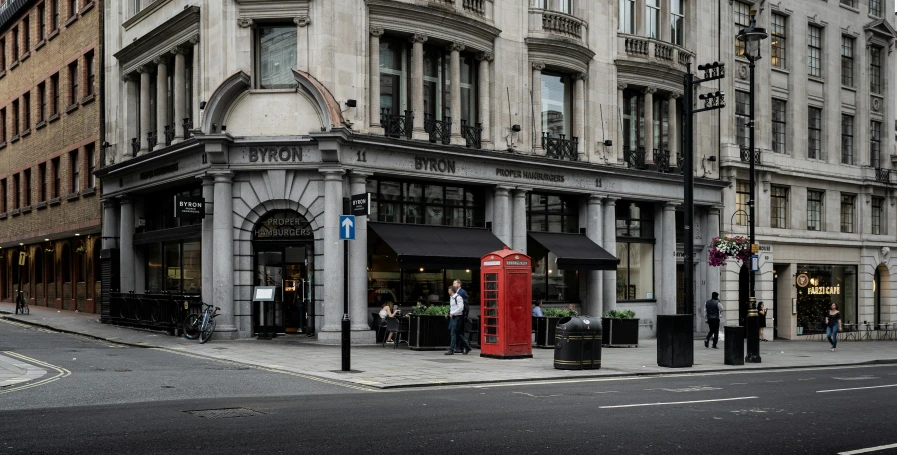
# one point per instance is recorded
(389, 368)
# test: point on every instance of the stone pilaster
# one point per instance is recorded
(485, 95)
(223, 255)
(621, 99)
(417, 86)
(161, 99)
(333, 257)
(518, 220)
(455, 93)
(180, 93)
(649, 124)
(126, 245)
(358, 274)
(208, 193)
(610, 244)
(501, 224)
(537, 107)
(579, 111)
(595, 233)
(145, 111)
(374, 89)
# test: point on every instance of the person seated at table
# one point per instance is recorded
(537, 309)
(387, 312)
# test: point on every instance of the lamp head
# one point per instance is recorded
(751, 37)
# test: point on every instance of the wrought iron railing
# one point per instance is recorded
(151, 140)
(155, 311)
(188, 128)
(662, 160)
(135, 146)
(680, 162)
(560, 148)
(169, 134)
(395, 125)
(472, 134)
(634, 157)
(883, 175)
(439, 130)
(746, 155)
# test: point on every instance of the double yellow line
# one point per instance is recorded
(60, 373)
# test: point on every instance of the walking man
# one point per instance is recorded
(456, 308)
(713, 309)
(464, 315)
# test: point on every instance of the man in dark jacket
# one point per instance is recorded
(713, 310)
(461, 292)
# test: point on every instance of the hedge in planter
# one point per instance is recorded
(619, 329)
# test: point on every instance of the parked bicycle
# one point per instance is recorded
(22, 303)
(201, 325)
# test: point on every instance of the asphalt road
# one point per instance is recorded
(97, 409)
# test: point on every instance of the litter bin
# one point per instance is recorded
(675, 340)
(577, 343)
(734, 345)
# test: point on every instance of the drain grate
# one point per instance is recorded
(225, 413)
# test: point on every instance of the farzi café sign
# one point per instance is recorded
(283, 225)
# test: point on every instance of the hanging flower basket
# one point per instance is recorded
(79, 250)
(723, 248)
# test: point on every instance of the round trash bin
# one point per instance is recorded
(577, 344)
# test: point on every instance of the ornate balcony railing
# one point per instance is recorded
(662, 160)
(188, 128)
(440, 131)
(475, 6)
(680, 163)
(653, 50)
(634, 157)
(684, 59)
(169, 134)
(151, 140)
(395, 125)
(135, 146)
(636, 46)
(663, 52)
(472, 134)
(746, 156)
(561, 23)
(560, 148)
(883, 175)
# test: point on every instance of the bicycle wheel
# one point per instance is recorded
(206, 332)
(25, 309)
(191, 327)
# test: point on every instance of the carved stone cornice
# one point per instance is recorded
(455, 47)
(159, 41)
(485, 57)
(538, 66)
(376, 31)
(643, 74)
(565, 55)
(477, 34)
(418, 38)
(302, 21)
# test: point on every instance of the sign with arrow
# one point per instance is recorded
(347, 227)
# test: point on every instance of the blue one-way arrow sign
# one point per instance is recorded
(347, 227)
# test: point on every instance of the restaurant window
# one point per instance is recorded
(778, 34)
(848, 212)
(779, 116)
(815, 204)
(846, 139)
(875, 143)
(90, 154)
(627, 16)
(158, 209)
(742, 20)
(742, 117)
(174, 266)
(423, 203)
(779, 207)
(552, 213)
(635, 250)
(652, 18)
(814, 133)
(875, 8)
(551, 284)
(92, 74)
(42, 102)
(878, 215)
(42, 182)
(847, 61)
(74, 172)
(556, 103)
(742, 197)
(55, 165)
(677, 22)
(276, 56)
(73, 83)
(825, 285)
(814, 51)
(875, 69)
(26, 190)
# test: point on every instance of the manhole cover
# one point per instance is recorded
(446, 360)
(225, 413)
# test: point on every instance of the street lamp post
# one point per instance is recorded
(751, 37)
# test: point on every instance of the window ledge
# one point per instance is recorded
(848, 88)
(40, 44)
(88, 99)
(52, 34)
(40, 205)
(25, 56)
(89, 192)
(26, 209)
(144, 13)
(849, 8)
(2, 73)
(54, 201)
(781, 70)
(71, 196)
(4, 215)
(816, 79)
(71, 108)
(14, 64)
(14, 139)
(15, 212)
(40, 124)
(87, 7)
(53, 118)
(71, 20)
(26, 132)
(2, 145)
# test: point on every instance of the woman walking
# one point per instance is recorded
(832, 325)
(761, 311)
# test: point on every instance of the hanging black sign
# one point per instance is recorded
(361, 204)
(283, 225)
(187, 207)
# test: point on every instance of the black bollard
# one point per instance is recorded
(346, 341)
(753, 333)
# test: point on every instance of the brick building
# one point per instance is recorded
(50, 117)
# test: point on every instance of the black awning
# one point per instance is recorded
(574, 251)
(437, 247)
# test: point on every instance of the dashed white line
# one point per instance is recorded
(870, 449)
(676, 402)
(857, 388)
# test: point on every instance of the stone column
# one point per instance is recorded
(208, 193)
(641, 23)
(455, 93)
(358, 273)
(417, 86)
(110, 223)
(673, 145)
(223, 251)
(610, 244)
(579, 111)
(374, 89)
(161, 99)
(145, 112)
(126, 245)
(621, 100)
(649, 124)
(333, 257)
(666, 33)
(537, 107)
(501, 226)
(712, 233)
(594, 231)
(131, 108)
(518, 221)
(485, 94)
(180, 93)
(195, 89)
(668, 261)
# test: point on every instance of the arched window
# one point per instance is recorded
(39, 265)
(65, 264)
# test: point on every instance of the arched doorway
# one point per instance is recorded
(283, 243)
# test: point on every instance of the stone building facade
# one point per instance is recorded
(50, 129)
(473, 124)
(825, 206)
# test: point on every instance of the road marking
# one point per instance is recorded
(870, 449)
(61, 373)
(536, 396)
(26, 326)
(676, 402)
(857, 388)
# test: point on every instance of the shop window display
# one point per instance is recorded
(635, 249)
(818, 286)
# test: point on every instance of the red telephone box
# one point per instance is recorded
(507, 294)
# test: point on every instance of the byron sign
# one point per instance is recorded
(189, 207)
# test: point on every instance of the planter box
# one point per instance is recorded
(428, 333)
(545, 331)
(619, 332)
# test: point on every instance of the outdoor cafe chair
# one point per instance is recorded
(398, 326)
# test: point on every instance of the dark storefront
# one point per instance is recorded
(818, 286)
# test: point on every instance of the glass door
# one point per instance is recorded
(270, 272)
(286, 268)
